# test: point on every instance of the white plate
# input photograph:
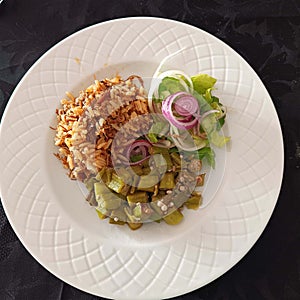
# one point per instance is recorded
(47, 210)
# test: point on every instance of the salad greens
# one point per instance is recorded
(176, 84)
(202, 83)
(169, 86)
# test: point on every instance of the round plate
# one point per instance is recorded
(48, 212)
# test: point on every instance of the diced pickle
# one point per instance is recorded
(116, 183)
(126, 175)
(105, 175)
(167, 158)
(136, 179)
(194, 201)
(174, 218)
(147, 181)
(160, 162)
(137, 197)
(100, 174)
(142, 211)
(160, 195)
(130, 194)
(164, 160)
(100, 188)
(111, 203)
(118, 215)
(157, 150)
(167, 182)
(156, 208)
(101, 215)
(149, 189)
(131, 218)
(138, 170)
(176, 158)
(113, 221)
(137, 211)
(125, 190)
(134, 226)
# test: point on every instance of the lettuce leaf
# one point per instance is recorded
(210, 126)
(207, 154)
(155, 129)
(203, 82)
(168, 86)
(217, 139)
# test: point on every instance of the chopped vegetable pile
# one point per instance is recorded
(145, 192)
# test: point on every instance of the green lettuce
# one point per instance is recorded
(203, 82)
(168, 86)
(211, 127)
(207, 154)
(155, 129)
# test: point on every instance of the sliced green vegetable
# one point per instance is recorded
(135, 182)
(131, 218)
(156, 209)
(125, 190)
(147, 181)
(160, 163)
(167, 182)
(194, 201)
(159, 196)
(137, 197)
(100, 188)
(110, 201)
(168, 160)
(116, 183)
(137, 211)
(173, 218)
(176, 158)
(118, 215)
(126, 174)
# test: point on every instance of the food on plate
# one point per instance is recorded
(140, 155)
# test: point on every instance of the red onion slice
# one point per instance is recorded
(187, 102)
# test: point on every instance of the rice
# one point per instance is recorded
(87, 124)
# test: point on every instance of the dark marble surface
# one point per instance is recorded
(266, 33)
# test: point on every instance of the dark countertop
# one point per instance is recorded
(267, 34)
